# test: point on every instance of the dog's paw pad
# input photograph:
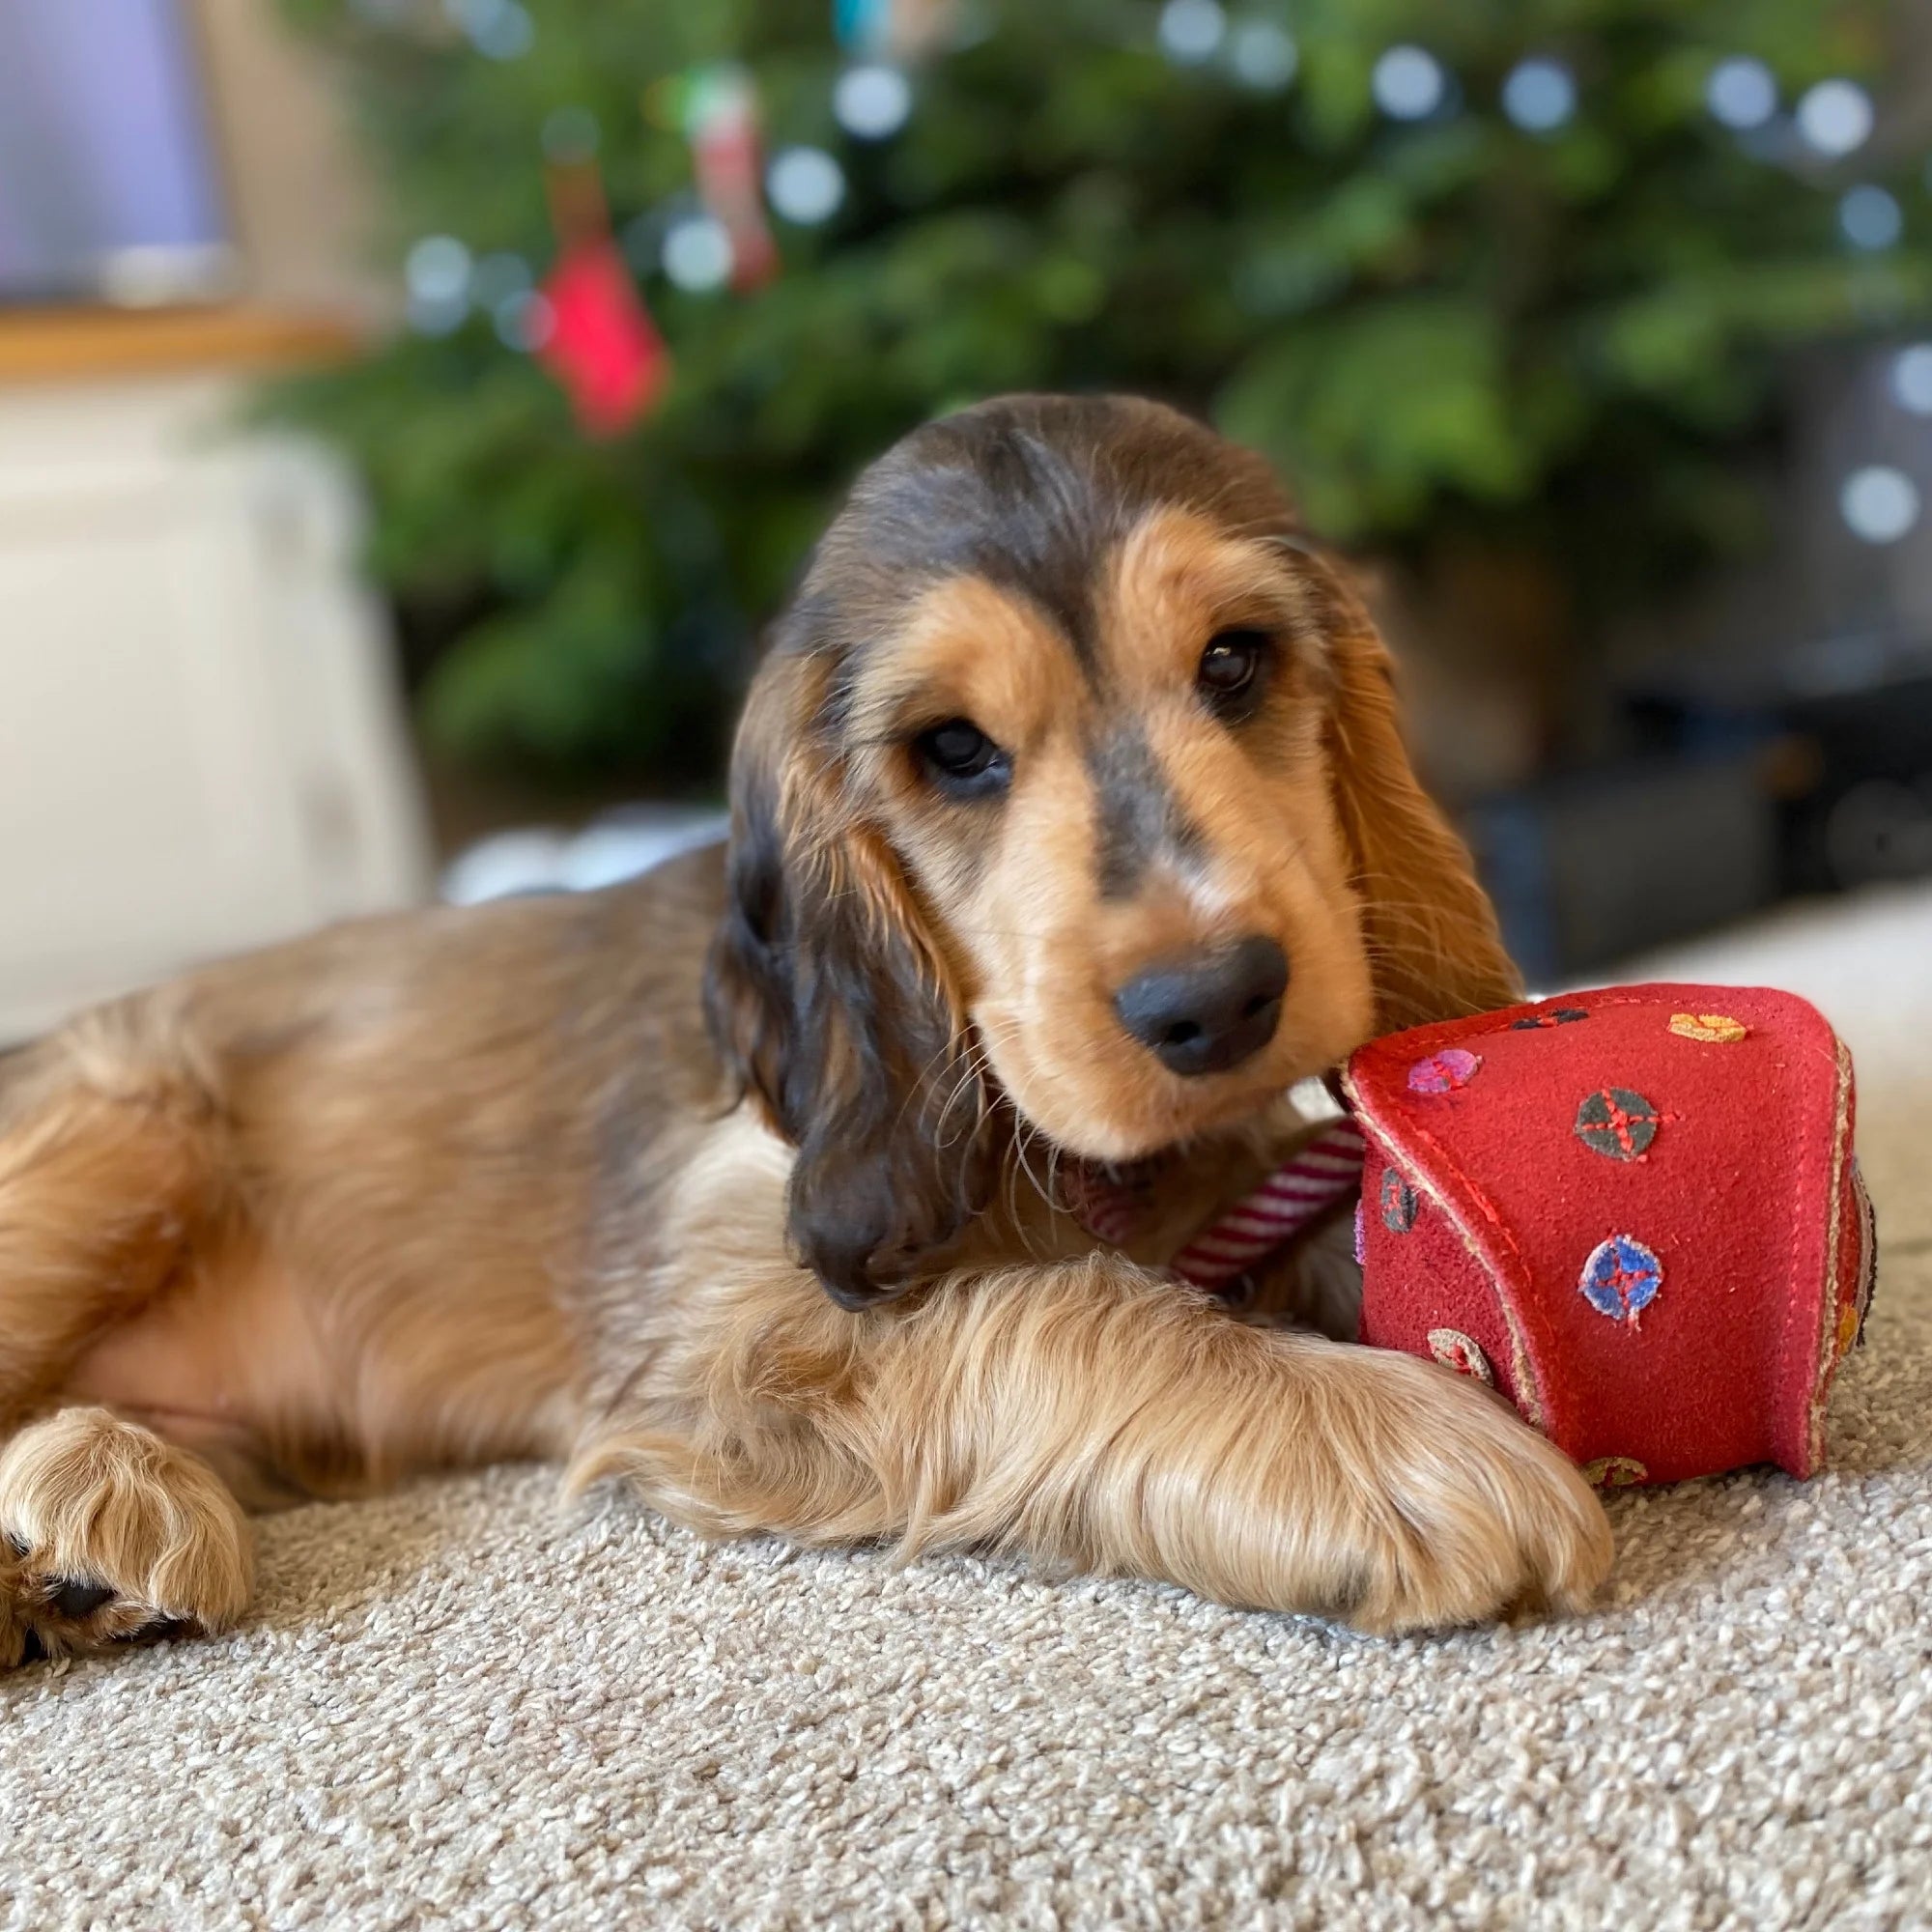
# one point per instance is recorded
(114, 1533)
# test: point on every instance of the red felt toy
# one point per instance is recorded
(1634, 1212)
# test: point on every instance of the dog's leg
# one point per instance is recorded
(110, 1534)
(1104, 1421)
(109, 1168)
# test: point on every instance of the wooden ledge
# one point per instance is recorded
(65, 345)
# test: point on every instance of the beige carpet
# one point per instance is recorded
(459, 1708)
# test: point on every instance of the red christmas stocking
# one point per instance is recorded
(602, 346)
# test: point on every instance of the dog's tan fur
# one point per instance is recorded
(466, 1186)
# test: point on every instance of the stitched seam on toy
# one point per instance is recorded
(1826, 1356)
(1529, 1394)
(1814, 1420)
(1599, 1002)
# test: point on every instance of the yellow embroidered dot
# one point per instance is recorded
(1719, 1028)
(1848, 1326)
(1614, 1473)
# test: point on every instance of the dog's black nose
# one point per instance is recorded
(1209, 1013)
(76, 1599)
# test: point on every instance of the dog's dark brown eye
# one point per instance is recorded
(962, 759)
(1229, 667)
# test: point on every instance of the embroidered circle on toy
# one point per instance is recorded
(1621, 1278)
(1398, 1203)
(1614, 1473)
(1848, 1331)
(1717, 1029)
(1461, 1352)
(1556, 1016)
(1616, 1122)
(1444, 1072)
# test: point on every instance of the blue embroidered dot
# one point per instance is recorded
(1556, 1016)
(1621, 1278)
(1398, 1203)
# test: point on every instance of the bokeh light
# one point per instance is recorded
(805, 184)
(1540, 95)
(1742, 92)
(438, 270)
(872, 102)
(500, 29)
(1835, 117)
(524, 320)
(1869, 218)
(697, 253)
(1878, 503)
(1190, 30)
(433, 314)
(1262, 56)
(1911, 378)
(1408, 83)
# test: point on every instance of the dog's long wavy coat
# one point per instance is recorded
(1070, 825)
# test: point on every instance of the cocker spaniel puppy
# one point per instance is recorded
(1071, 829)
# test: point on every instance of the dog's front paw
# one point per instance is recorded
(1466, 1513)
(108, 1533)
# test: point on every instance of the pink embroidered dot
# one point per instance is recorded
(1444, 1072)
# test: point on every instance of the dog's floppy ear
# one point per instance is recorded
(1434, 948)
(833, 1012)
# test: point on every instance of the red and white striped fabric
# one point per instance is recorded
(1311, 1181)
(1308, 1183)
(1110, 1201)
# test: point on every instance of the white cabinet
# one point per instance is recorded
(201, 748)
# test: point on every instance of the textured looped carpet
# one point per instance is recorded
(459, 1707)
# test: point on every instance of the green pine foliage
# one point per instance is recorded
(1561, 342)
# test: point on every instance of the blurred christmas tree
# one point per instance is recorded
(1517, 272)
